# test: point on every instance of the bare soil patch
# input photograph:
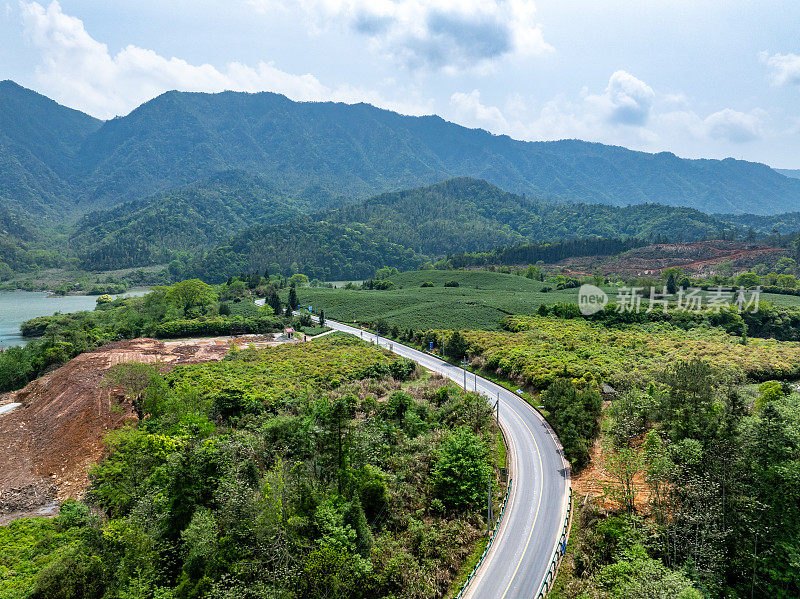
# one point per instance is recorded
(48, 443)
(700, 258)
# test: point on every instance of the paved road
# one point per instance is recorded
(520, 555)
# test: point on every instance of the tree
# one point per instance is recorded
(623, 464)
(322, 318)
(747, 279)
(382, 327)
(273, 300)
(461, 474)
(190, 294)
(293, 297)
(689, 403)
(133, 378)
(657, 471)
(672, 286)
(456, 346)
(575, 417)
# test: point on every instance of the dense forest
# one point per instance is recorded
(192, 218)
(400, 230)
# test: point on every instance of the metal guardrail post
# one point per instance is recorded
(560, 551)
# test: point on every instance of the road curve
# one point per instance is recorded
(520, 555)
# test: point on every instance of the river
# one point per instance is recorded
(18, 306)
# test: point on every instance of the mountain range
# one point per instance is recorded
(396, 229)
(234, 180)
(55, 159)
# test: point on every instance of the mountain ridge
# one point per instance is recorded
(330, 154)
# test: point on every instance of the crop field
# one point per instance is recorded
(480, 301)
(541, 349)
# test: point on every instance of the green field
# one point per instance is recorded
(479, 302)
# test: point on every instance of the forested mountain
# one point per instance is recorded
(39, 144)
(788, 222)
(404, 229)
(465, 214)
(793, 173)
(318, 249)
(194, 217)
(332, 153)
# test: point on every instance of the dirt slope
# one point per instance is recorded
(699, 258)
(48, 443)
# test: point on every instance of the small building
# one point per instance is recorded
(289, 332)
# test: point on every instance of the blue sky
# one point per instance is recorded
(696, 78)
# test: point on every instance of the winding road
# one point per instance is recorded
(520, 555)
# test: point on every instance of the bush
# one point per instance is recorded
(427, 284)
(456, 346)
(461, 474)
(575, 417)
(451, 284)
(72, 513)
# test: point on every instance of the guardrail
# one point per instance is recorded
(561, 548)
(464, 586)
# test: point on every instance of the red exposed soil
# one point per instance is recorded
(48, 443)
(699, 258)
(593, 481)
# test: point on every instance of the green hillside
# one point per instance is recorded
(405, 229)
(191, 218)
(39, 145)
(329, 153)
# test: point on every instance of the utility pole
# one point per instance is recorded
(497, 408)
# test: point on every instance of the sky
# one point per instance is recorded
(697, 78)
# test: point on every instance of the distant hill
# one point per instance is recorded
(329, 154)
(198, 216)
(788, 222)
(793, 173)
(404, 229)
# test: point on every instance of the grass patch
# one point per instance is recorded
(26, 547)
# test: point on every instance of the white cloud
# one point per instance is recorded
(628, 113)
(470, 112)
(785, 67)
(626, 100)
(79, 71)
(734, 126)
(437, 34)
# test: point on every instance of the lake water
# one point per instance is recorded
(18, 306)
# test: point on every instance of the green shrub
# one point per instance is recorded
(461, 474)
